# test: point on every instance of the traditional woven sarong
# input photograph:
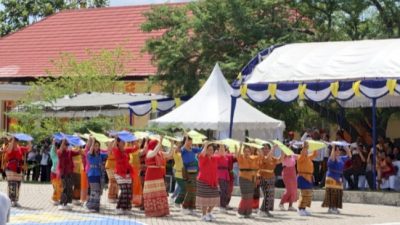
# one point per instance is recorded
(14, 183)
(190, 198)
(137, 190)
(182, 191)
(305, 198)
(268, 189)
(95, 193)
(290, 181)
(112, 185)
(333, 194)
(225, 195)
(66, 196)
(247, 192)
(76, 183)
(155, 198)
(256, 197)
(206, 195)
(231, 185)
(125, 196)
(57, 187)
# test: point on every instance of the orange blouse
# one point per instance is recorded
(248, 166)
(305, 166)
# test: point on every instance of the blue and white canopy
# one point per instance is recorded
(350, 70)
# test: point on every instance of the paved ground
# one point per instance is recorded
(37, 209)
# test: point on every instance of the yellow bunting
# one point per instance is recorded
(335, 88)
(272, 90)
(283, 147)
(391, 85)
(302, 90)
(154, 104)
(315, 145)
(239, 76)
(178, 102)
(243, 90)
(356, 88)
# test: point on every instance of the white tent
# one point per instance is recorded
(210, 109)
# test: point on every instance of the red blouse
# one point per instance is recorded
(208, 167)
(155, 167)
(15, 157)
(122, 166)
(65, 163)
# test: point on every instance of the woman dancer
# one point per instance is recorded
(248, 167)
(191, 168)
(137, 187)
(207, 196)
(94, 174)
(14, 163)
(54, 177)
(122, 173)
(154, 192)
(178, 168)
(224, 178)
(290, 181)
(305, 170)
(267, 175)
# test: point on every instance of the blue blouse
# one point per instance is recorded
(95, 164)
(190, 160)
(335, 167)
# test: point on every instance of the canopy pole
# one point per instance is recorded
(233, 107)
(130, 117)
(374, 142)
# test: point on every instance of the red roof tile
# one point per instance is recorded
(29, 51)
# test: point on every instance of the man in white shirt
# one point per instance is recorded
(5, 207)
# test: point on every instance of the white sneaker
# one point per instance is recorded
(292, 209)
(55, 203)
(192, 212)
(281, 207)
(302, 212)
(211, 216)
(178, 206)
(330, 211)
(239, 215)
(223, 210)
(262, 213)
(307, 213)
(335, 211)
(76, 202)
(171, 201)
(16, 204)
(119, 211)
(206, 218)
(186, 211)
(63, 207)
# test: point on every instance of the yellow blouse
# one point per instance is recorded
(178, 165)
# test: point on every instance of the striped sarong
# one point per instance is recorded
(125, 196)
(95, 192)
(268, 189)
(333, 193)
(14, 183)
(190, 198)
(256, 197)
(225, 195)
(247, 192)
(155, 198)
(206, 195)
(182, 191)
(305, 198)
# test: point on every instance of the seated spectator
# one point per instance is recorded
(357, 166)
(396, 153)
(5, 207)
(385, 168)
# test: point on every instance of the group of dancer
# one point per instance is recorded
(136, 170)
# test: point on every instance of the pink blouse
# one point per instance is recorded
(223, 167)
(290, 161)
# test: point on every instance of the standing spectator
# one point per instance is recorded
(32, 164)
(44, 164)
(317, 161)
(357, 167)
(368, 169)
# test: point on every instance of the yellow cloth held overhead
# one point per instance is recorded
(253, 145)
(316, 145)
(100, 137)
(231, 143)
(283, 147)
(141, 134)
(194, 134)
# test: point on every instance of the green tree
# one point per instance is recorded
(20, 13)
(99, 72)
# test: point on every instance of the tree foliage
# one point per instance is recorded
(20, 13)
